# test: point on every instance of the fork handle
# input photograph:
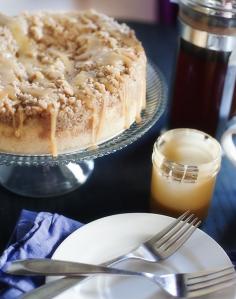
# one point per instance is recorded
(58, 268)
(56, 287)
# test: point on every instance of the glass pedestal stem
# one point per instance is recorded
(45, 181)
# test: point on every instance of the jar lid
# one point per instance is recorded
(219, 8)
(186, 155)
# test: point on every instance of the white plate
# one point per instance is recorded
(111, 236)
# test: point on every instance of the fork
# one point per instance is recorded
(186, 285)
(157, 248)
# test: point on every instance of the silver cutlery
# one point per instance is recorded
(157, 248)
(186, 285)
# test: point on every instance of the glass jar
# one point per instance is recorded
(207, 38)
(185, 165)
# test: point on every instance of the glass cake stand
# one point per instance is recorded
(45, 176)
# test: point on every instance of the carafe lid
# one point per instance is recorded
(219, 8)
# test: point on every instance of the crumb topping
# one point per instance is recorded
(67, 62)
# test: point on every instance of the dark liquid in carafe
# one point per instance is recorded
(198, 88)
(233, 105)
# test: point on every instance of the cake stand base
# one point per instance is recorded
(45, 181)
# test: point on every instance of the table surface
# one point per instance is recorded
(121, 181)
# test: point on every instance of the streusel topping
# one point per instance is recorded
(62, 62)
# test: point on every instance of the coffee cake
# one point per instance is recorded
(68, 81)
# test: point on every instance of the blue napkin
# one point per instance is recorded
(36, 235)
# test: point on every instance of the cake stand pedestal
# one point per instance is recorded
(46, 176)
(45, 181)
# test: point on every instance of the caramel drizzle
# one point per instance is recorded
(141, 104)
(143, 89)
(125, 108)
(138, 117)
(21, 117)
(98, 123)
(94, 127)
(54, 114)
(101, 119)
(3, 94)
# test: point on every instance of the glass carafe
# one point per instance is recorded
(207, 38)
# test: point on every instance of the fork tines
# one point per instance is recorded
(209, 281)
(177, 232)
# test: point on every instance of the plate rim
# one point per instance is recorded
(84, 227)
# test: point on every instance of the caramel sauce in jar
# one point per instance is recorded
(185, 166)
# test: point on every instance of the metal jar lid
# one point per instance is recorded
(218, 8)
(209, 24)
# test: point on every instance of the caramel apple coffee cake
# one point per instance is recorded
(68, 81)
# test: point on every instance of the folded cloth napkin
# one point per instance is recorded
(36, 235)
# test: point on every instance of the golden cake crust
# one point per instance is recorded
(67, 81)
